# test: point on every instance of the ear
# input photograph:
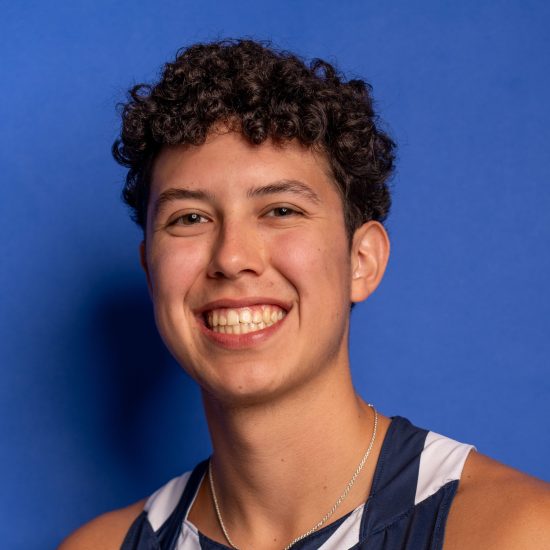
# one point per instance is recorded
(370, 251)
(145, 266)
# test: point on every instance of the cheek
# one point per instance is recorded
(174, 267)
(315, 263)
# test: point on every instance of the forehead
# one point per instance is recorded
(228, 165)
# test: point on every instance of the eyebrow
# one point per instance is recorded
(282, 186)
(285, 186)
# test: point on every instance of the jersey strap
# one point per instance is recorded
(416, 479)
(158, 527)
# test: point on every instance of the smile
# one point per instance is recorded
(243, 320)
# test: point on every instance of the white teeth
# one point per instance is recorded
(243, 320)
(245, 316)
(232, 317)
(257, 317)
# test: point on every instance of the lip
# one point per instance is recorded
(243, 302)
(238, 341)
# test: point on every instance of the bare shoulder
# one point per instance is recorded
(497, 507)
(106, 532)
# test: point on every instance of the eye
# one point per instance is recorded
(189, 219)
(283, 212)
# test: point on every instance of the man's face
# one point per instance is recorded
(248, 265)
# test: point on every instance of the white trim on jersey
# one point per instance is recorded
(441, 461)
(347, 534)
(162, 503)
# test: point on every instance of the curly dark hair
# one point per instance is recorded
(263, 93)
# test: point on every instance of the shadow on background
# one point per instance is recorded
(146, 413)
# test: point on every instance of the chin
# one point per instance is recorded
(244, 390)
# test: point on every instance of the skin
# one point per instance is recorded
(280, 409)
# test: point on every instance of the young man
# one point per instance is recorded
(261, 187)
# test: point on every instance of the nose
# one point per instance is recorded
(238, 250)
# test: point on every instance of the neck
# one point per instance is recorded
(279, 467)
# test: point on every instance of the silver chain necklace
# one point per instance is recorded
(329, 513)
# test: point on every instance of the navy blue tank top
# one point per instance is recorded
(414, 484)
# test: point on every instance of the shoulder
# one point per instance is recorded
(105, 532)
(498, 507)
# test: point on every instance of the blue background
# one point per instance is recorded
(94, 413)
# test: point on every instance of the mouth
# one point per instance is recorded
(243, 320)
